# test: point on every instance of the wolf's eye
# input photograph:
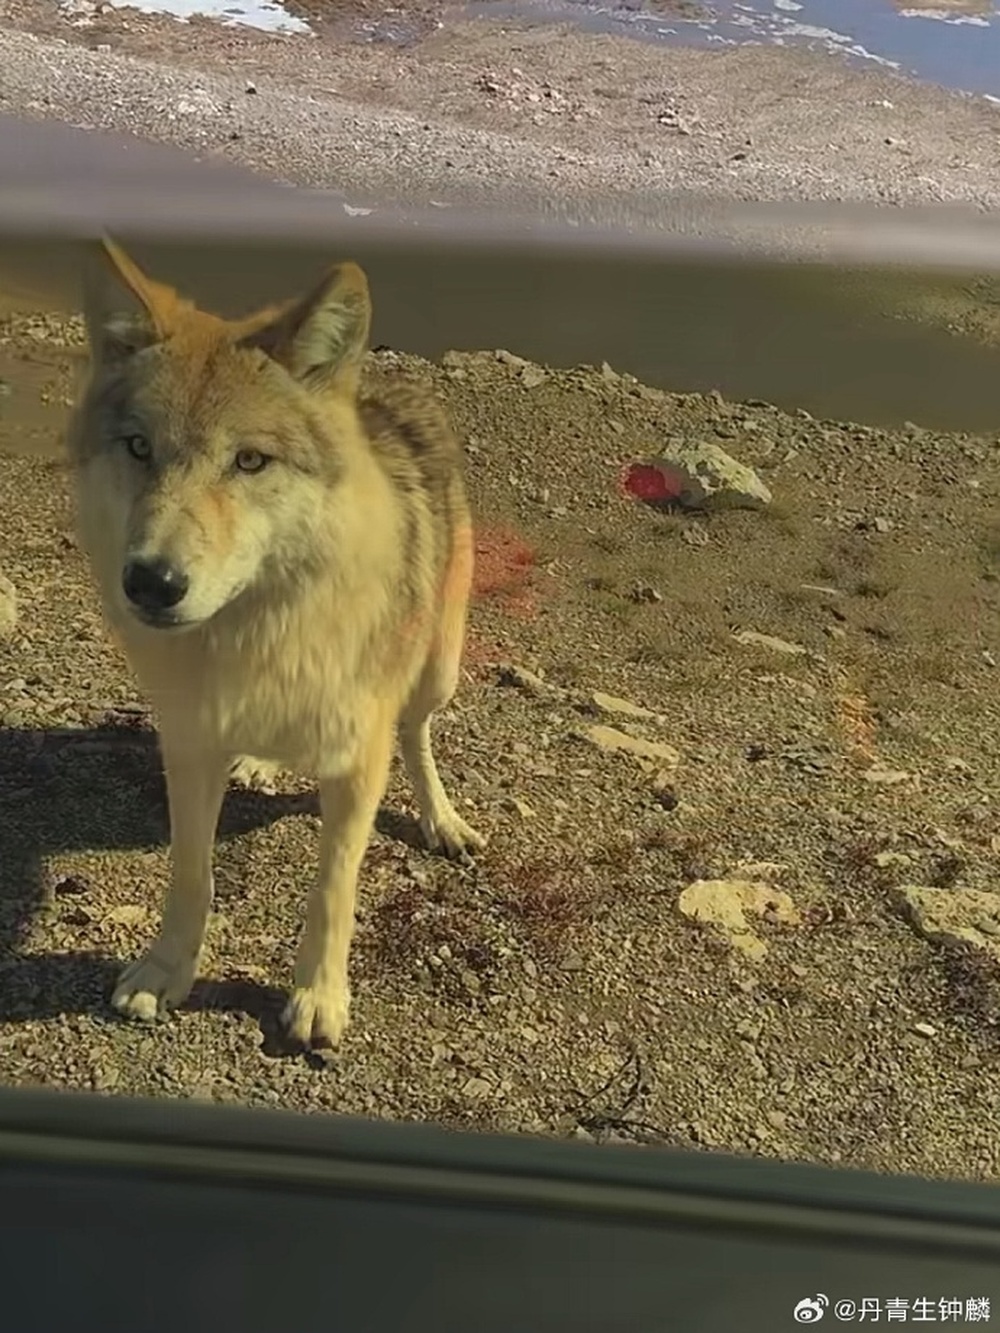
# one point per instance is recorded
(251, 460)
(138, 446)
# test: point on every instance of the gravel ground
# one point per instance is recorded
(480, 112)
(562, 987)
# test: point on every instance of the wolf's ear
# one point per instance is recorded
(123, 310)
(321, 340)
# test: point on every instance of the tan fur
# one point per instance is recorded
(325, 596)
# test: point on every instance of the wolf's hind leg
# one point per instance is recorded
(443, 827)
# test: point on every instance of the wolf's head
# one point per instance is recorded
(206, 449)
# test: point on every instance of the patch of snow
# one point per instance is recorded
(942, 16)
(265, 15)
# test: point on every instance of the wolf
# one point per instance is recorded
(286, 559)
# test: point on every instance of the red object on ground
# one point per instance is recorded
(653, 483)
(504, 575)
(504, 568)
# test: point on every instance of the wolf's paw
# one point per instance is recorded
(254, 774)
(317, 1017)
(448, 833)
(153, 984)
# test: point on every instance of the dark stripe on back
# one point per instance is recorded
(412, 439)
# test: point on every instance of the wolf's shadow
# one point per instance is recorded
(102, 789)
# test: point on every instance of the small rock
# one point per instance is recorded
(477, 1087)
(610, 740)
(749, 1029)
(509, 359)
(70, 885)
(759, 870)
(611, 703)
(925, 1029)
(698, 476)
(128, 914)
(803, 688)
(532, 376)
(8, 606)
(521, 678)
(971, 916)
(885, 777)
(573, 962)
(519, 807)
(725, 904)
(665, 795)
(750, 638)
(471, 982)
(885, 860)
(645, 592)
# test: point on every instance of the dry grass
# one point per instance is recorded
(440, 935)
(972, 985)
(689, 856)
(552, 902)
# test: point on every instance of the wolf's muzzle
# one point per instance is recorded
(154, 587)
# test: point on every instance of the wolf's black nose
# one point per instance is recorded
(154, 585)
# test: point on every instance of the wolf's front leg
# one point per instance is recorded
(317, 1012)
(196, 783)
